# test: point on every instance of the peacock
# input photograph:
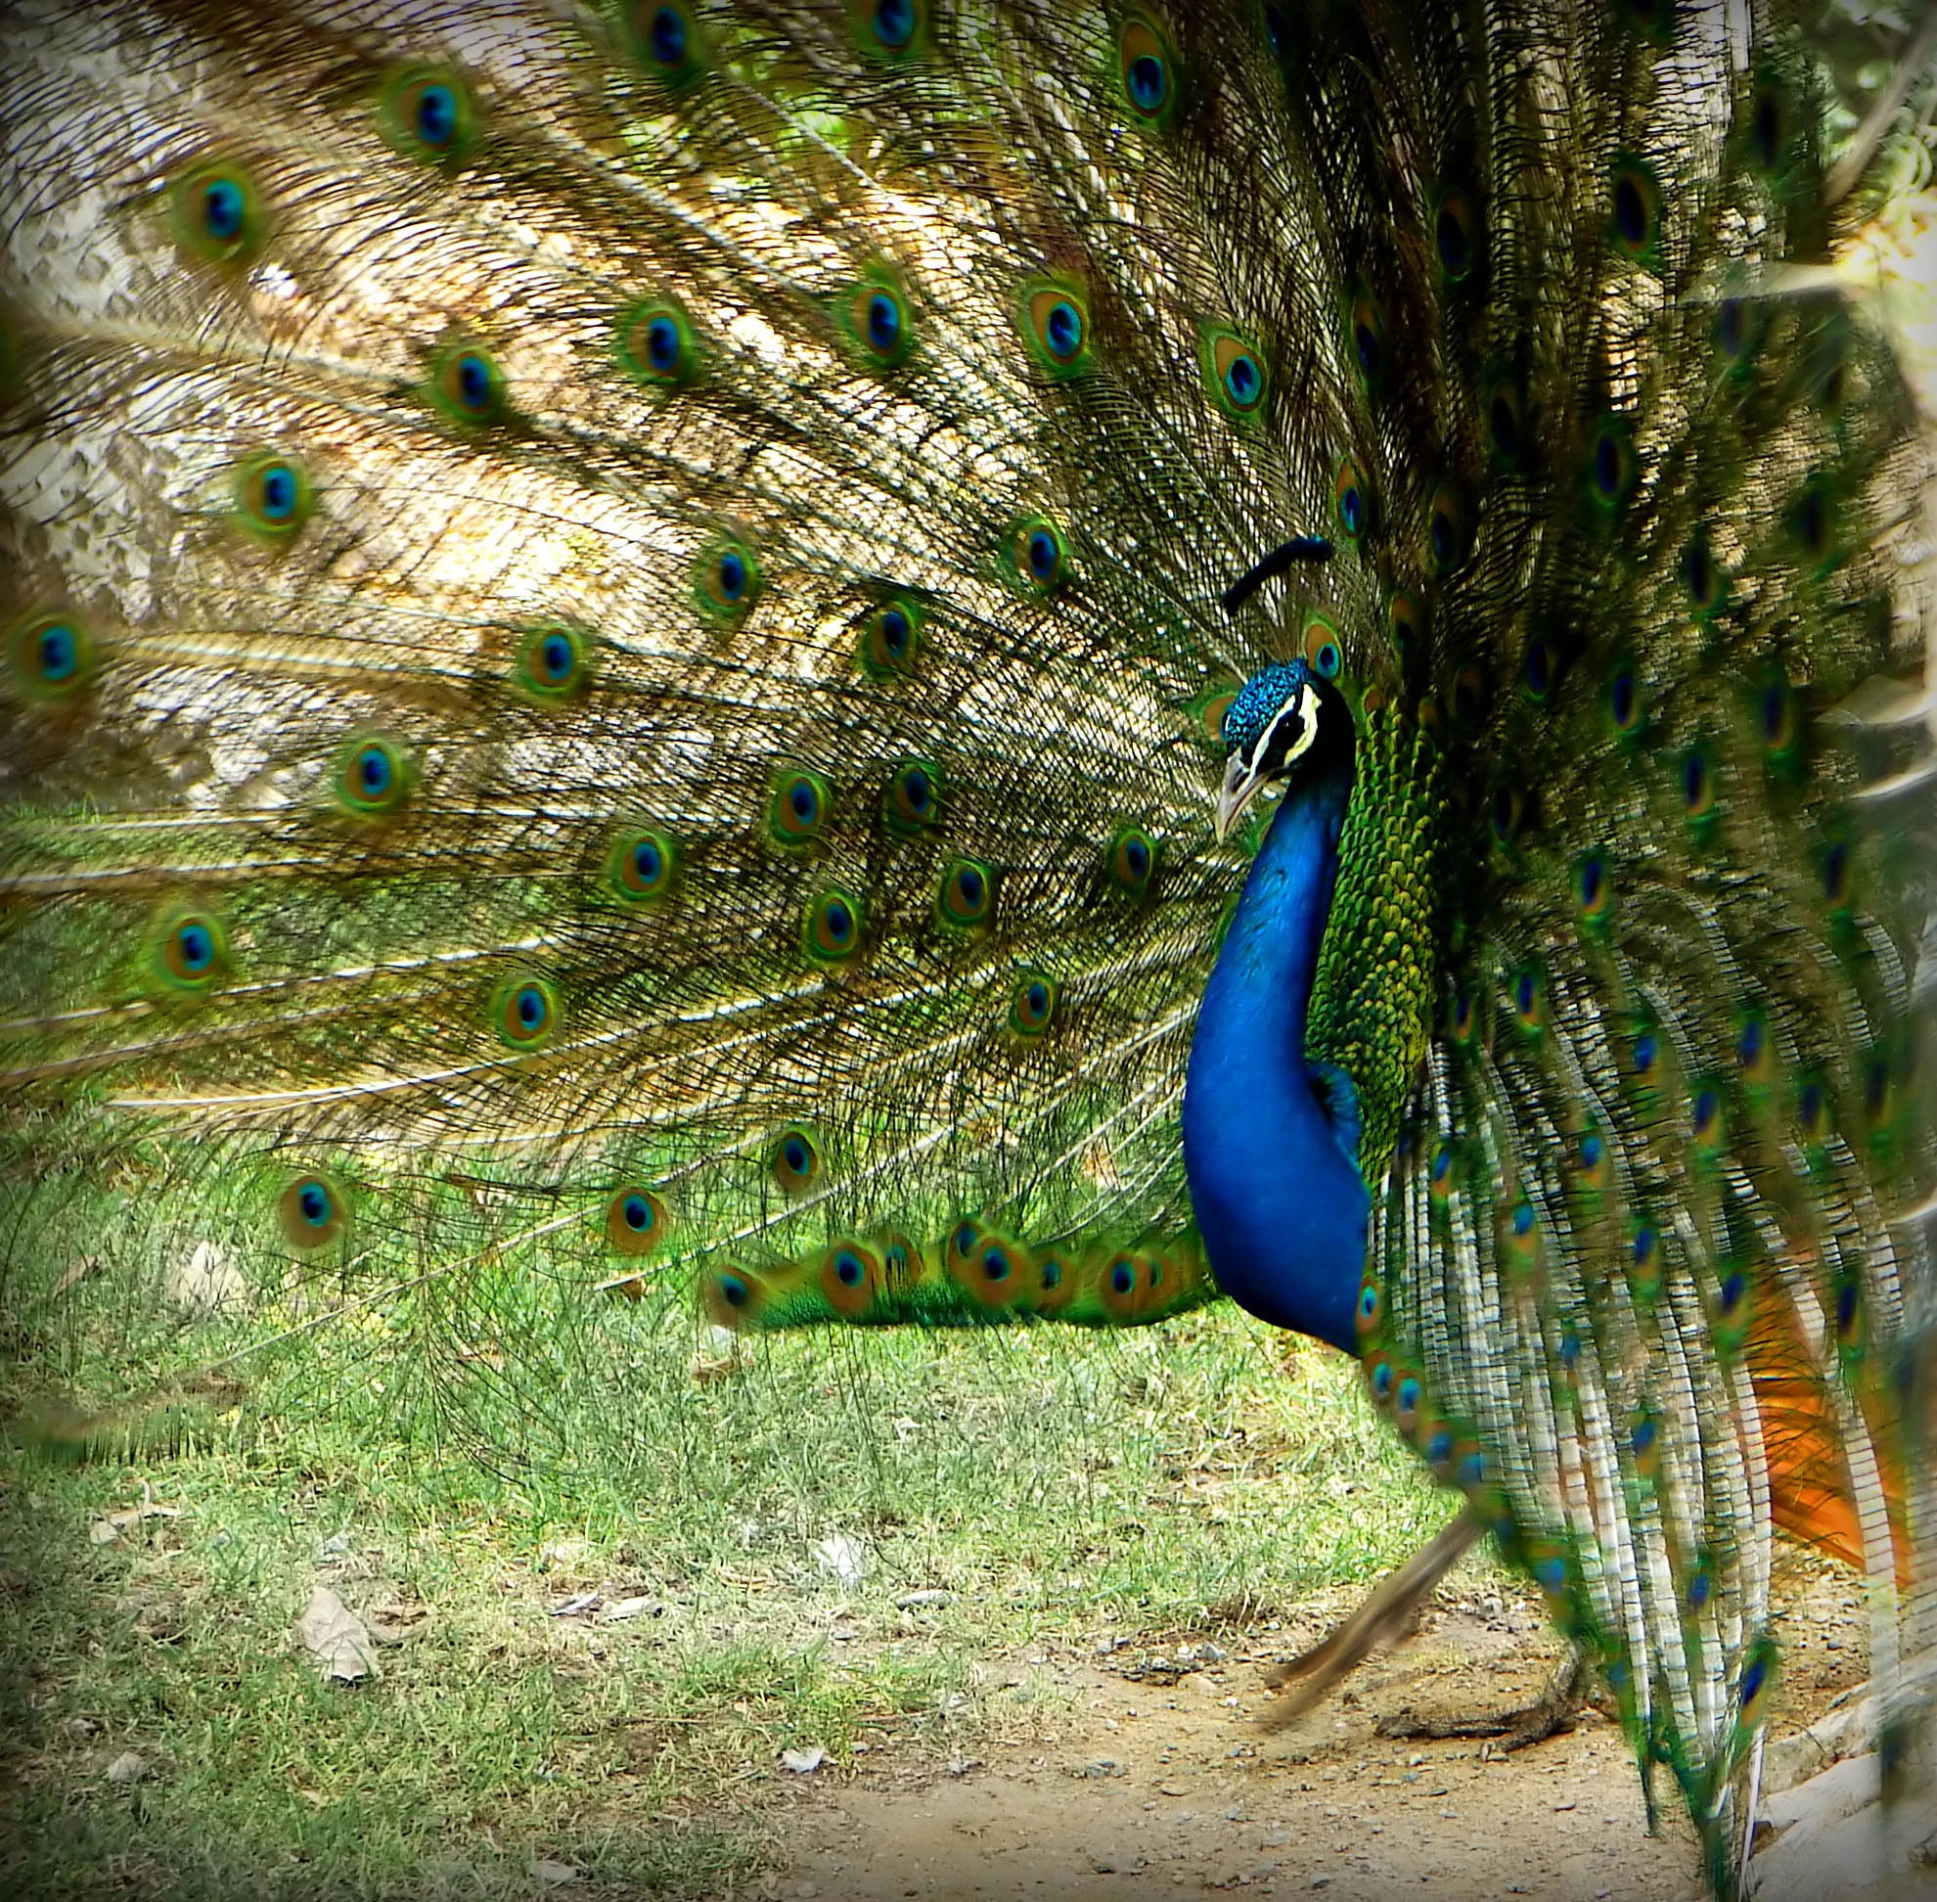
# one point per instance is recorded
(931, 661)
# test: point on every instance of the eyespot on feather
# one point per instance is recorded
(1212, 708)
(273, 496)
(427, 113)
(1703, 575)
(189, 951)
(1128, 1284)
(1447, 528)
(1131, 861)
(1039, 553)
(1612, 469)
(552, 663)
(1365, 340)
(49, 657)
(1032, 1004)
(642, 866)
(1352, 501)
(1148, 71)
(1622, 700)
(1235, 375)
(1458, 235)
(666, 40)
(525, 1012)
(1634, 210)
(732, 1297)
(1503, 405)
(911, 802)
(1381, 1378)
(1405, 620)
(656, 345)
(373, 777)
(1324, 652)
(1055, 321)
(850, 1278)
(1812, 520)
(1594, 890)
(1057, 1282)
(890, 30)
(468, 386)
(313, 1210)
(1368, 1315)
(890, 639)
(217, 212)
(992, 1269)
(1527, 999)
(797, 810)
(635, 1220)
(876, 319)
(727, 579)
(1695, 782)
(1645, 1263)
(903, 1266)
(796, 1161)
(966, 900)
(832, 926)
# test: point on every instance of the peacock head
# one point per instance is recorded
(1287, 719)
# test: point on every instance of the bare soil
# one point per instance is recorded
(1149, 1775)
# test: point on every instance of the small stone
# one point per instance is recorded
(129, 1767)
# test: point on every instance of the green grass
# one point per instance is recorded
(457, 1465)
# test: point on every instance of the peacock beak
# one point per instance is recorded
(1241, 784)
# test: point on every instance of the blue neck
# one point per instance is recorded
(1280, 1205)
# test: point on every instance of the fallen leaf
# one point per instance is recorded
(77, 1270)
(633, 1608)
(105, 1531)
(336, 1638)
(566, 1555)
(844, 1556)
(208, 1283)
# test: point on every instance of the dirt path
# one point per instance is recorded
(1154, 1780)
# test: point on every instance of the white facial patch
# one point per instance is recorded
(1305, 709)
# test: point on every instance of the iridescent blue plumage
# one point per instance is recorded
(1280, 1204)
